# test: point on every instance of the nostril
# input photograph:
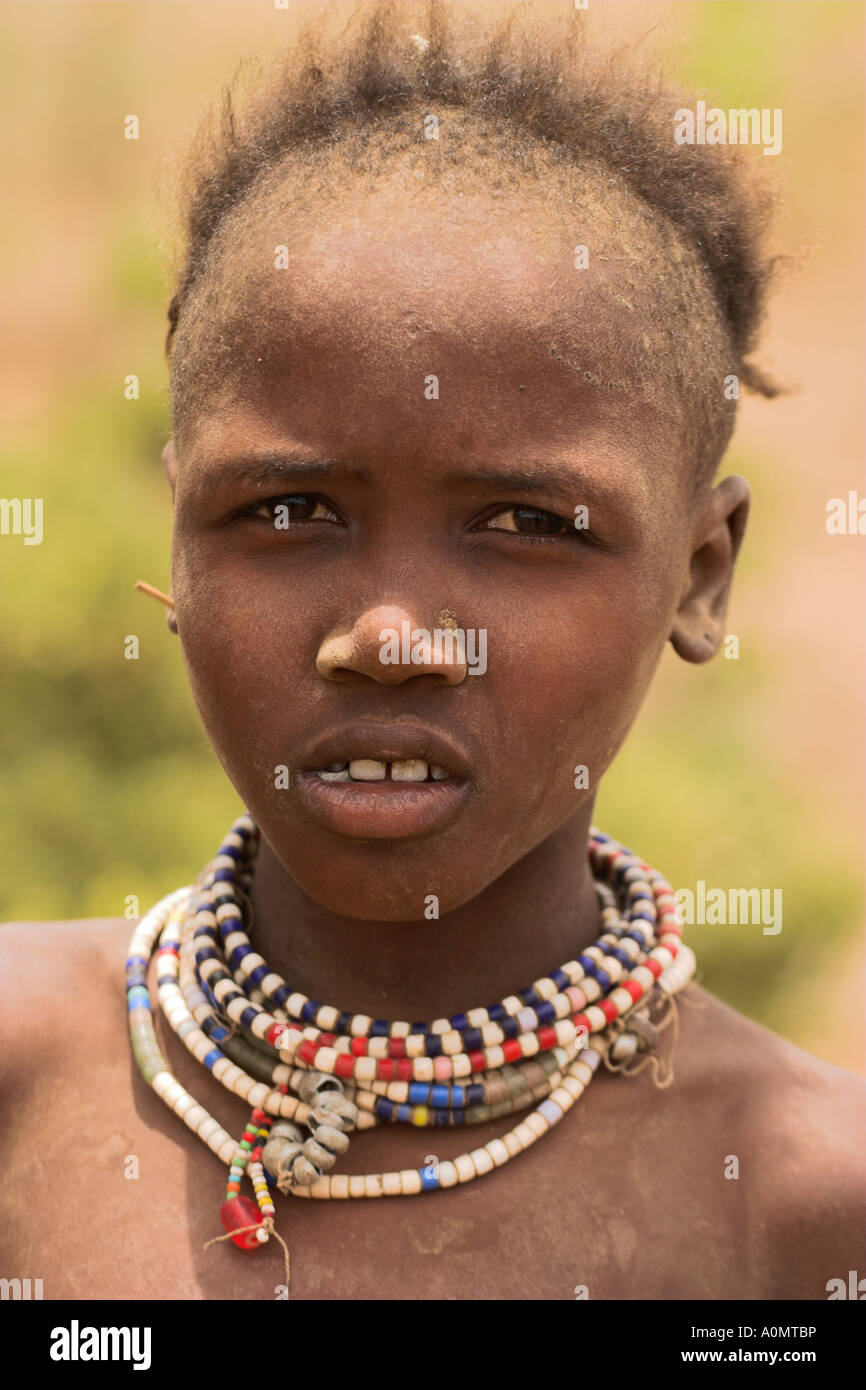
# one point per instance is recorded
(386, 646)
(335, 653)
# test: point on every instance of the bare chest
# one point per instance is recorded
(124, 1198)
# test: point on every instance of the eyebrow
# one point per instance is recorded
(263, 468)
(567, 481)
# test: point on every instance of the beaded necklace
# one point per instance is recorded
(313, 1073)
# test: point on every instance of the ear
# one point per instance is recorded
(699, 623)
(169, 463)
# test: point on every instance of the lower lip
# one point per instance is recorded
(382, 810)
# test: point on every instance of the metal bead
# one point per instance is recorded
(279, 1154)
(286, 1129)
(304, 1172)
(319, 1156)
(314, 1084)
(340, 1115)
(648, 1034)
(331, 1138)
(335, 1110)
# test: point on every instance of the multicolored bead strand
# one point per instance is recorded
(313, 1074)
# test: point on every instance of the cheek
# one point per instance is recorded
(567, 684)
(250, 650)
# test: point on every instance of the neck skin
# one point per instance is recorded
(542, 912)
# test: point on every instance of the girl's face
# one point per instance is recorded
(432, 408)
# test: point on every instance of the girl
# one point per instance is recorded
(448, 359)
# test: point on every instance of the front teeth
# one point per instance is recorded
(367, 770)
(409, 770)
(372, 770)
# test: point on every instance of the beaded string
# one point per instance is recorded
(262, 1040)
(361, 1037)
(444, 1097)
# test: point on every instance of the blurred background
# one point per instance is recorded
(744, 773)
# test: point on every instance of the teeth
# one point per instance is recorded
(373, 770)
(409, 770)
(367, 770)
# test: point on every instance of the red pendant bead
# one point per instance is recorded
(238, 1212)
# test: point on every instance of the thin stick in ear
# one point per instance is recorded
(171, 616)
(155, 593)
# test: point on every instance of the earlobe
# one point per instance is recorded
(169, 463)
(698, 627)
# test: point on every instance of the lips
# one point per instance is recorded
(384, 781)
(388, 744)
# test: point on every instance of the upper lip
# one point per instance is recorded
(386, 743)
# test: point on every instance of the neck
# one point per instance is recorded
(540, 913)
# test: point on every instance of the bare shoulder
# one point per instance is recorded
(771, 1075)
(793, 1128)
(88, 934)
(53, 971)
(36, 954)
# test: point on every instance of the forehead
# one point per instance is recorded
(454, 318)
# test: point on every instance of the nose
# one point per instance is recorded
(387, 644)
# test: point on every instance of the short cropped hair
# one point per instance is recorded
(529, 99)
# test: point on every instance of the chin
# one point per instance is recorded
(377, 892)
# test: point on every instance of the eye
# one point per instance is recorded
(528, 521)
(283, 512)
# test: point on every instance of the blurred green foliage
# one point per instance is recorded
(110, 787)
